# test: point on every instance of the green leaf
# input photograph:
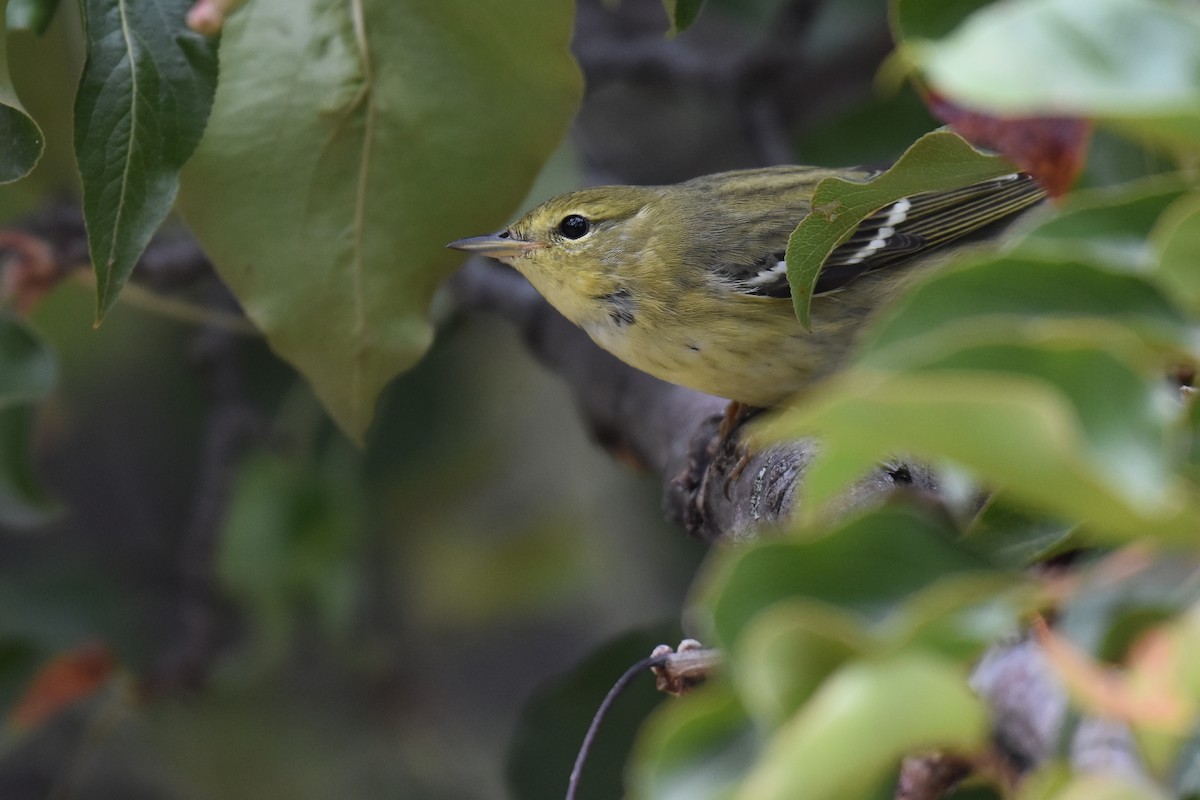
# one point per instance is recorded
(31, 15)
(1135, 63)
(141, 107)
(27, 373)
(938, 160)
(929, 19)
(1110, 227)
(1015, 293)
(348, 143)
(698, 748)
(867, 567)
(1014, 538)
(1064, 425)
(1177, 240)
(22, 138)
(1107, 787)
(682, 13)
(553, 723)
(849, 739)
(786, 651)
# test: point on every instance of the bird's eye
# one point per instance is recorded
(574, 226)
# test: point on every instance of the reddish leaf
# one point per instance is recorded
(64, 680)
(1051, 149)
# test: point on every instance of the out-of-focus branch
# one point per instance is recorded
(48, 247)
(774, 82)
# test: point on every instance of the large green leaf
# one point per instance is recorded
(867, 567)
(1135, 63)
(26, 375)
(22, 138)
(849, 739)
(1067, 426)
(698, 748)
(348, 143)
(938, 160)
(1008, 292)
(142, 103)
(1109, 227)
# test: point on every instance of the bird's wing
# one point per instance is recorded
(899, 232)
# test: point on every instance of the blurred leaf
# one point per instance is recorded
(1016, 293)
(1062, 424)
(1177, 240)
(1051, 149)
(787, 650)
(27, 373)
(682, 13)
(1121, 596)
(45, 73)
(66, 679)
(939, 160)
(405, 129)
(929, 19)
(23, 139)
(26, 363)
(1109, 227)
(871, 132)
(1132, 62)
(290, 545)
(31, 15)
(19, 657)
(1144, 694)
(1114, 160)
(1185, 778)
(1104, 787)
(866, 567)
(960, 614)
(142, 104)
(1193, 437)
(1014, 538)
(1046, 780)
(849, 739)
(553, 723)
(697, 747)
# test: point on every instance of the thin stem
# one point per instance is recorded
(620, 686)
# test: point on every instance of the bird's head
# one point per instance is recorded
(586, 224)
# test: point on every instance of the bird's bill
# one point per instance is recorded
(494, 245)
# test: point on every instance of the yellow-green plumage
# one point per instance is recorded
(675, 280)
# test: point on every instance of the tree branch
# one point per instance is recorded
(670, 430)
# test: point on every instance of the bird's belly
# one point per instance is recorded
(760, 363)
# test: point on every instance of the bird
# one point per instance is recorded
(688, 282)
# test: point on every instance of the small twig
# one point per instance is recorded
(620, 686)
(676, 672)
(173, 308)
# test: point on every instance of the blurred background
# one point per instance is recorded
(234, 601)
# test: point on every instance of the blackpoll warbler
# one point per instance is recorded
(688, 282)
